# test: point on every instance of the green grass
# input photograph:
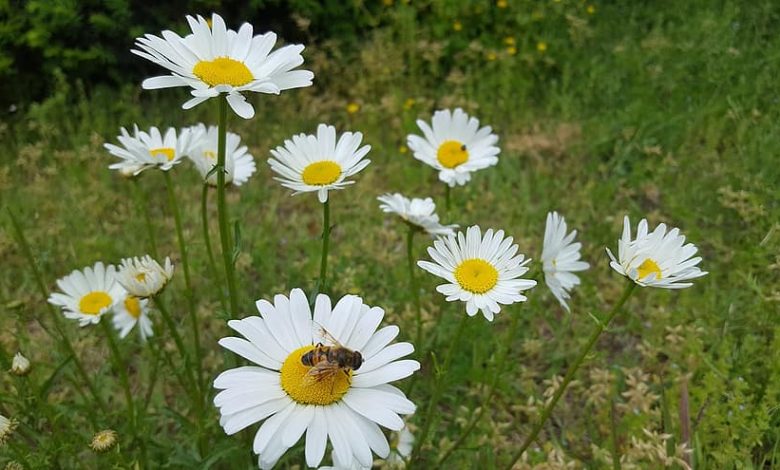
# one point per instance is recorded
(667, 110)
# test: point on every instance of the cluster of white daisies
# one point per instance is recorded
(483, 269)
(88, 294)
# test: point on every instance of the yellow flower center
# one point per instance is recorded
(210, 155)
(452, 153)
(321, 173)
(166, 152)
(648, 267)
(476, 275)
(223, 71)
(94, 302)
(140, 277)
(133, 306)
(308, 389)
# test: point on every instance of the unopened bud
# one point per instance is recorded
(20, 365)
(7, 426)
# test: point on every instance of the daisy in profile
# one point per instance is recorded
(319, 163)
(213, 60)
(326, 375)
(87, 294)
(152, 149)
(7, 427)
(130, 312)
(239, 164)
(656, 259)
(455, 145)
(419, 213)
(561, 258)
(144, 277)
(482, 271)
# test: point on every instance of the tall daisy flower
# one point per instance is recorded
(455, 145)
(130, 312)
(328, 401)
(319, 163)
(561, 258)
(144, 277)
(656, 259)
(213, 60)
(151, 149)
(420, 213)
(483, 271)
(87, 294)
(239, 164)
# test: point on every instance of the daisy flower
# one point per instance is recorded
(482, 271)
(130, 312)
(345, 407)
(88, 294)
(403, 443)
(144, 277)
(7, 427)
(561, 258)
(455, 145)
(656, 259)
(309, 163)
(239, 165)
(213, 60)
(144, 150)
(420, 213)
(20, 365)
(103, 441)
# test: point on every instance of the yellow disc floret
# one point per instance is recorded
(94, 302)
(321, 173)
(307, 389)
(223, 71)
(166, 152)
(133, 306)
(452, 153)
(476, 275)
(648, 267)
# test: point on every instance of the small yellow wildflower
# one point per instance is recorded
(457, 25)
(491, 56)
(541, 46)
(591, 9)
(509, 41)
(403, 149)
(387, 3)
(502, 3)
(511, 50)
(353, 107)
(409, 103)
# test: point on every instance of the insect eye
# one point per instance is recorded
(463, 147)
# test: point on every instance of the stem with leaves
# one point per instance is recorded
(222, 210)
(325, 244)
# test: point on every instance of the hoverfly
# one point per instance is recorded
(326, 361)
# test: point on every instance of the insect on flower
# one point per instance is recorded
(327, 361)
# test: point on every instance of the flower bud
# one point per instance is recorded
(103, 441)
(20, 365)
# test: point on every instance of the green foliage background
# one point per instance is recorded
(666, 110)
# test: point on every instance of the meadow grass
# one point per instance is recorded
(665, 110)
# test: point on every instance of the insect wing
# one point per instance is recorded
(325, 334)
(323, 370)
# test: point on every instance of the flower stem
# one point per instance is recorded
(222, 210)
(121, 369)
(499, 369)
(325, 243)
(413, 283)
(187, 280)
(207, 240)
(142, 203)
(447, 198)
(64, 340)
(179, 343)
(600, 327)
(438, 388)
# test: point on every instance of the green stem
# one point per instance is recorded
(447, 202)
(204, 209)
(179, 344)
(438, 389)
(222, 210)
(600, 327)
(121, 369)
(64, 340)
(501, 359)
(325, 244)
(413, 283)
(187, 280)
(142, 203)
